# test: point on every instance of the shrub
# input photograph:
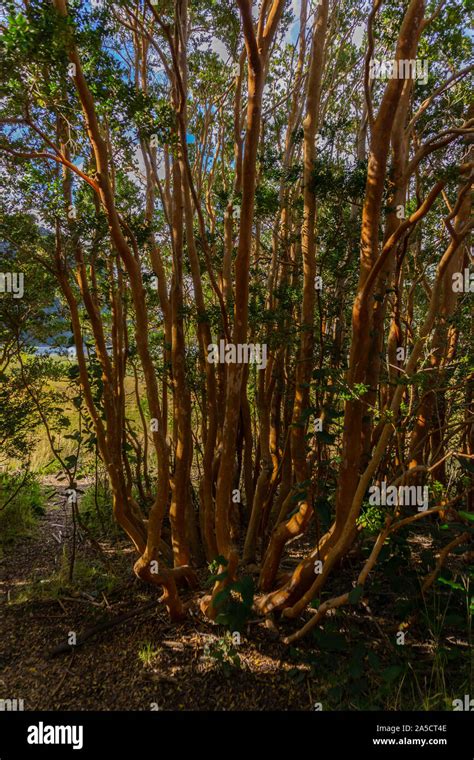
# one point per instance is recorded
(21, 503)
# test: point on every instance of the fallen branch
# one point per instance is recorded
(104, 626)
(390, 528)
(338, 601)
(63, 678)
(430, 579)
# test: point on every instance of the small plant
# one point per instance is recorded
(147, 653)
(96, 512)
(233, 612)
(371, 518)
(224, 654)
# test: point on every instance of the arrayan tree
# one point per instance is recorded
(261, 241)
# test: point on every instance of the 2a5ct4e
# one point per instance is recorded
(430, 728)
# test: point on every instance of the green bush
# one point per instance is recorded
(96, 511)
(18, 515)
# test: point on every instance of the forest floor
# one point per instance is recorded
(145, 662)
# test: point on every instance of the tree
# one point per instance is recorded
(276, 206)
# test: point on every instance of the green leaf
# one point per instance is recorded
(451, 584)
(467, 515)
(466, 464)
(74, 436)
(246, 588)
(356, 594)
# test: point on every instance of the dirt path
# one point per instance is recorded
(37, 557)
(147, 663)
(143, 664)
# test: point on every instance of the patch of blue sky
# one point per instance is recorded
(294, 30)
(79, 162)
